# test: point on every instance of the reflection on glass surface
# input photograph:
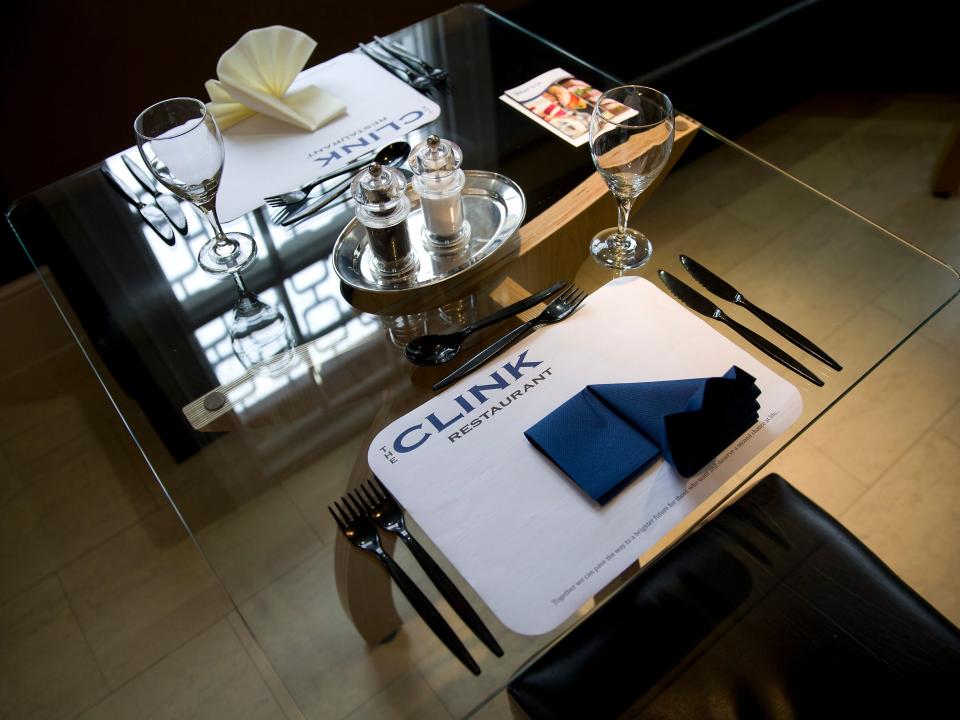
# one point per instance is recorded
(156, 328)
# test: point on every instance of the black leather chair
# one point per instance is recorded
(771, 610)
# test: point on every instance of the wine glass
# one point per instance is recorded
(181, 144)
(259, 334)
(631, 136)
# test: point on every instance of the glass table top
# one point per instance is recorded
(155, 330)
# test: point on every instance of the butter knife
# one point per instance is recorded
(726, 291)
(695, 301)
(150, 213)
(167, 203)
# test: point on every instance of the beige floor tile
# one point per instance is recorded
(408, 698)
(269, 674)
(46, 667)
(922, 108)
(818, 477)
(944, 328)
(775, 206)
(314, 488)
(911, 519)
(883, 417)
(63, 502)
(327, 667)
(843, 162)
(461, 692)
(40, 432)
(257, 543)
(949, 424)
(10, 482)
(496, 709)
(211, 677)
(142, 594)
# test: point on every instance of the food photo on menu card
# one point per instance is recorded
(563, 104)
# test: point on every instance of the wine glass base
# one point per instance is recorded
(628, 252)
(233, 256)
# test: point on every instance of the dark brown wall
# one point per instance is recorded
(77, 73)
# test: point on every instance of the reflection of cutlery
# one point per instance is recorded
(150, 213)
(438, 349)
(415, 80)
(561, 307)
(414, 62)
(695, 301)
(724, 290)
(168, 203)
(385, 512)
(359, 529)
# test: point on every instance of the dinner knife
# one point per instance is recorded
(167, 203)
(150, 213)
(695, 301)
(726, 291)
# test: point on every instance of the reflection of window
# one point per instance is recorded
(309, 298)
(309, 294)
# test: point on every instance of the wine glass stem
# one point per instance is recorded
(623, 217)
(245, 301)
(219, 235)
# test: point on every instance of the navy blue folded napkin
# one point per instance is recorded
(606, 435)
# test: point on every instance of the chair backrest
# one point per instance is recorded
(772, 609)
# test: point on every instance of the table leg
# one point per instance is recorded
(364, 589)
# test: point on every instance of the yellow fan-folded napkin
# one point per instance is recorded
(254, 76)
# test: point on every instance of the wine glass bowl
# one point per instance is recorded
(180, 142)
(631, 137)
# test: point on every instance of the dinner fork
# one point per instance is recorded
(294, 197)
(385, 512)
(561, 307)
(359, 529)
(322, 201)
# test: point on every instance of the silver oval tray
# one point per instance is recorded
(494, 206)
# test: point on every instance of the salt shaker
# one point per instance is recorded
(439, 182)
(382, 207)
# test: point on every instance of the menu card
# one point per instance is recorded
(266, 157)
(563, 104)
(519, 531)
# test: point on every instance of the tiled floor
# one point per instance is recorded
(108, 609)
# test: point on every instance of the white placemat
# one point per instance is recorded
(266, 157)
(526, 538)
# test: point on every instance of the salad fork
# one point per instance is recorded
(321, 201)
(359, 529)
(385, 512)
(561, 307)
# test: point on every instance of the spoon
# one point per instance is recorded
(292, 197)
(392, 155)
(438, 349)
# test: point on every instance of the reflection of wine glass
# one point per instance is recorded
(631, 136)
(181, 144)
(259, 333)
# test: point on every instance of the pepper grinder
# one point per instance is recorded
(382, 208)
(439, 182)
